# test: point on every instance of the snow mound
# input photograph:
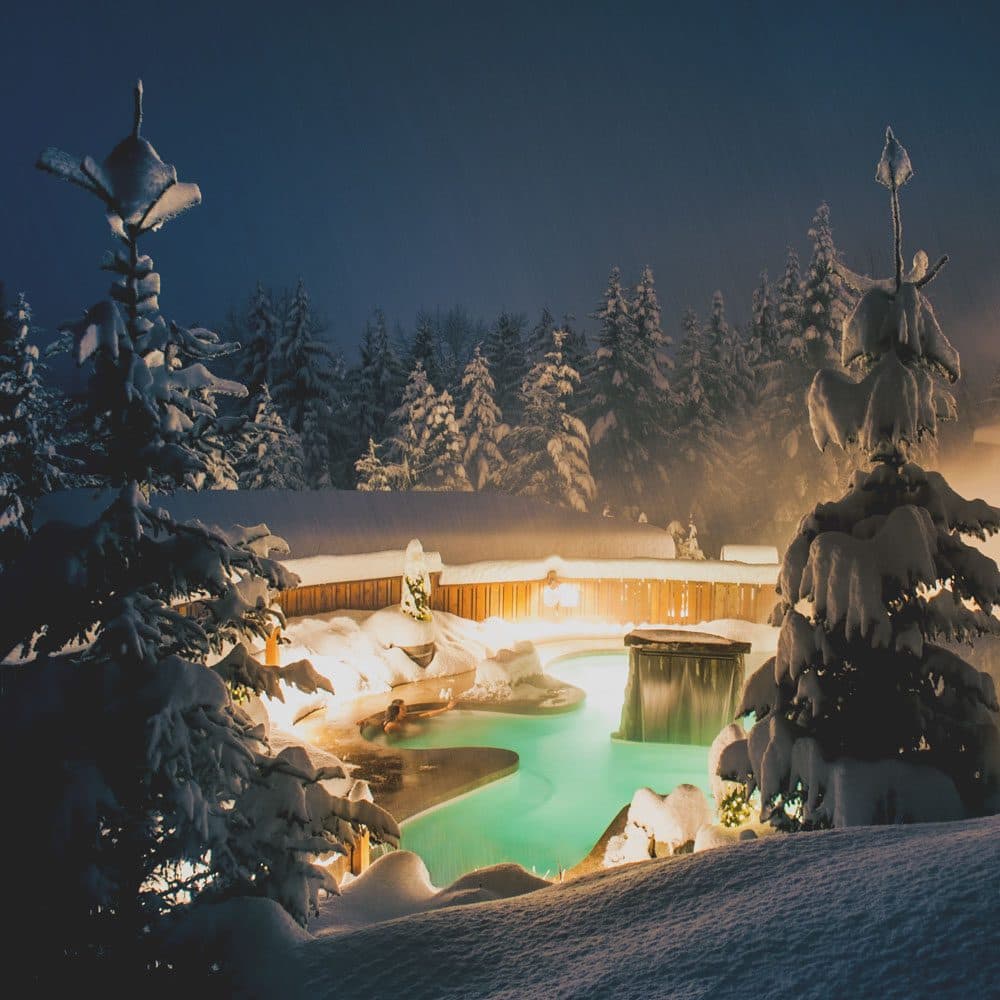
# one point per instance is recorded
(398, 885)
(893, 912)
(391, 627)
(509, 666)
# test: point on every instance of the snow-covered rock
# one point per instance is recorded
(659, 825)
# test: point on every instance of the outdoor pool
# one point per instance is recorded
(572, 780)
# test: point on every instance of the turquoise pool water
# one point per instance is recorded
(572, 779)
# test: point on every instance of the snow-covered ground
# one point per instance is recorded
(889, 912)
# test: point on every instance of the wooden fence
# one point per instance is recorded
(668, 602)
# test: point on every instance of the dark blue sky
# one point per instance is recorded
(504, 156)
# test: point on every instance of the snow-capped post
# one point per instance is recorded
(416, 598)
(861, 717)
(415, 603)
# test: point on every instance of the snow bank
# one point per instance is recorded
(509, 666)
(893, 912)
(398, 885)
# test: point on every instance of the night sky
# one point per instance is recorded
(499, 156)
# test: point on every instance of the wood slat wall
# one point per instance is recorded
(663, 601)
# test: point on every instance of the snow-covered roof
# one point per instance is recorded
(462, 527)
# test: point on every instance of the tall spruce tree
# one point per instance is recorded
(505, 350)
(273, 459)
(548, 451)
(862, 717)
(482, 423)
(825, 300)
(259, 335)
(148, 787)
(376, 383)
(28, 465)
(425, 349)
(625, 424)
(302, 366)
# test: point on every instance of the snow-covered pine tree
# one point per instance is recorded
(540, 338)
(505, 350)
(425, 349)
(372, 476)
(548, 452)
(825, 300)
(28, 466)
(701, 463)
(425, 452)
(302, 367)
(732, 383)
(148, 787)
(791, 313)
(861, 717)
(624, 420)
(576, 354)
(764, 323)
(376, 383)
(482, 423)
(645, 313)
(260, 330)
(273, 459)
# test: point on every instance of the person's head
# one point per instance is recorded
(395, 711)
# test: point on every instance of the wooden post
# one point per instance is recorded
(271, 657)
(361, 853)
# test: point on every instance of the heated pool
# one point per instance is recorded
(572, 780)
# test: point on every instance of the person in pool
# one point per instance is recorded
(396, 715)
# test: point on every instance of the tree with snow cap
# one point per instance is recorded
(149, 788)
(861, 717)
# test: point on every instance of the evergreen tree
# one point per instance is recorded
(791, 312)
(504, 349)
(261, 333)
(548, 452)
(303, 370)
(372, 476)
(861, 717)
(274, 459)
(625, 425)
(170, 796)
(425, 349)
(341, 430)
(540, 338)
(482, 423)
(376, 383)
(825, 302)
(701, 468)
(425, 452)
(764, 324)
(645, 312)
(28, 466)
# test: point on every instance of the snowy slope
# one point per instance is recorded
(886, 912)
